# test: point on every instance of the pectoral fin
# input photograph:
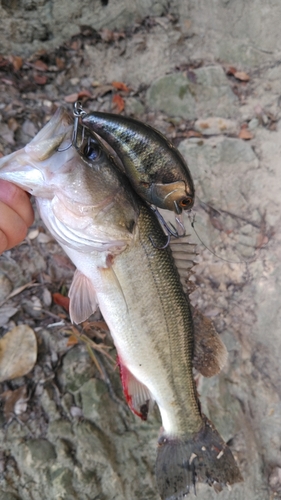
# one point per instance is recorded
(82, 295)
(210, 354)
(137, 394)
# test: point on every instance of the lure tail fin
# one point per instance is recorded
(205, 458)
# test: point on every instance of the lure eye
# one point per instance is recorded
(92, 151)
(186, 203)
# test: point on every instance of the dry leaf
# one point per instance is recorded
(61, 300)
(245, 134)
(84, 93)
(60, 63)
(40, 65)
(7, 81)
(120, 86)
(18, 352)
(40, 79)
(17, 62)
(119, 102)
(63, 261)
(106, 35)
(231, 70)
(3, 62)
(19, 289)
(241, 75)
(102, 325)
(192, 133)
(13, 124)
(71, 97)
(74, 45)
(73, 340)
(15, 402)
(102, 90)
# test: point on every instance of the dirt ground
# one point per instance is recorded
(65, 430)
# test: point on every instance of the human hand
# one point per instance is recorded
(16, 215)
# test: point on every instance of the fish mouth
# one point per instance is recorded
(29, 166)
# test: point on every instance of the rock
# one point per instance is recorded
(33, 307)
(214, 164)
(91, 393)
(240, 34)
(12, 269)
(253, 124)
(32, 262)
(61, 483)
(204, 91)
(216, 126)
(37, 453)
(6, 312)
(5, 286)
(213, 93)
(33, 26)
(6, 134)
(134, 107)
(172, 94)
(77, 369)
(5, 495)
(275, 479)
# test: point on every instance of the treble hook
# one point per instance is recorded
(171, 232)
(164, 246)
(78, 111)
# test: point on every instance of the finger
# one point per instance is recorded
(18, 200)
(3, 242)
(13, 228)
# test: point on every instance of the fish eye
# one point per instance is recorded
(92, 151)
(186, 203)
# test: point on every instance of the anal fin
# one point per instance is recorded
(82, 295)
(137, 395)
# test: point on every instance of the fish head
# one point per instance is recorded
(77, 187)
(32, 166)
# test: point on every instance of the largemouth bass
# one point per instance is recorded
(114, 240)
(155, 168)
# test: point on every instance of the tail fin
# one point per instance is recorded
(205, 457)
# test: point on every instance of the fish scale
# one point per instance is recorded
(169, 329)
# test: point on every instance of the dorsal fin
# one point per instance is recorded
(210, 353)
(82, 295)
(138, 396)
(184, 254)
